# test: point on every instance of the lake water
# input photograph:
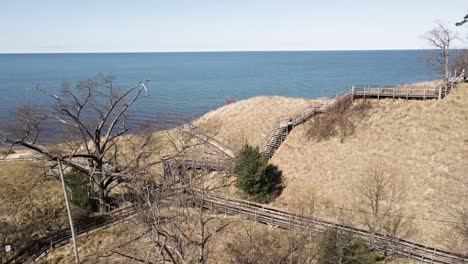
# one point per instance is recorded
(184, 84)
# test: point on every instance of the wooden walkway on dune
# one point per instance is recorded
(284, 125)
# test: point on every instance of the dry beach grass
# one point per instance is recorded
(250, 120)
(425, 142)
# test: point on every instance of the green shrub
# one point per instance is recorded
(341, 247)
(77, 183)
(256, 178)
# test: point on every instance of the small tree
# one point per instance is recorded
(341, 247)
(380, 197)
(78, 185)
(440, 38)
(229, 100)
(256, 178)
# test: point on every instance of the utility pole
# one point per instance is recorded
(75, 248)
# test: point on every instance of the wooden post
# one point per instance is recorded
(378, 93)
(440, 92)
(394, 88)
(352, 92)
(424, 97)
(407, 93)
(70, 220)
(364, 93)
(225, 206)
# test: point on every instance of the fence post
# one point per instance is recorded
(440, 92)
(225, 207)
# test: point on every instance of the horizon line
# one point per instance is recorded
(207, 51)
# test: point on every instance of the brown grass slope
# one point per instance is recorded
(250, 120)
(29, 208)
(425, 142)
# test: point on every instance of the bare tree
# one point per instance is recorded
(252, 243)
(93, 117)
(181, 226)
(379, 198)
(441, 38)
(456, 205)
(175, 209)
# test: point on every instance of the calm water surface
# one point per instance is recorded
(195, 82)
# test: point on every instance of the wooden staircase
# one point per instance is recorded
(276, 137)
(282, 128)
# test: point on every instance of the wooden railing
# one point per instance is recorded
(41, 247)
(259, 213)
(408, 91)
(385, 244)
(209, 140)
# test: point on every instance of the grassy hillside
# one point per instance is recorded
(29, 208)
(250, 120)
(426, 143)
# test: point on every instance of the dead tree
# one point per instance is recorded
(441, 39)
(93, 117)
(181, 226)
(174, 209)
(456, 206)
(379, 200)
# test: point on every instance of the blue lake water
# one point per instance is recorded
(196, 82)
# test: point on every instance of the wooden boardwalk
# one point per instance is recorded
(284, 126)
(408, 92)
(387, 245)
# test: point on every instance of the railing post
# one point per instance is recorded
(225, 207)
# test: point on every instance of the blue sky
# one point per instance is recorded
(209, 25)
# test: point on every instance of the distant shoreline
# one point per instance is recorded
(208, 51)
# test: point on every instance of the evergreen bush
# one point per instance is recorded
(256, 178)
(77, 183)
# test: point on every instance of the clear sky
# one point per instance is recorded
(217, 25)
